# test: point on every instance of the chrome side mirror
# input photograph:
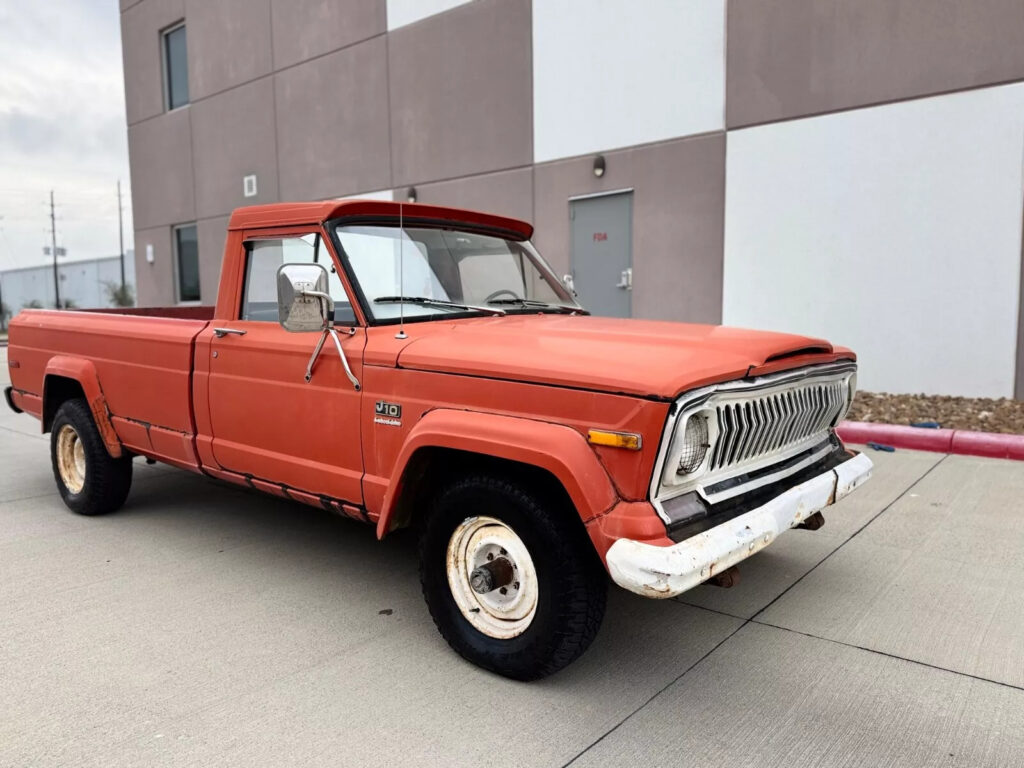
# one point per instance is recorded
(303, 303)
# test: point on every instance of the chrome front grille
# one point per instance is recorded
(759, 431)
(756, 425)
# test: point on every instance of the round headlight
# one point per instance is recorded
(695, 444)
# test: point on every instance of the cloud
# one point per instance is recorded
(62, 127)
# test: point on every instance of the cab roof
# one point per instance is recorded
(293, 214)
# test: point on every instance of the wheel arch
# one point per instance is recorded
(67, 378)
(445, 444)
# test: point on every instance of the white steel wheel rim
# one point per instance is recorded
(71, 459)
(502, 613)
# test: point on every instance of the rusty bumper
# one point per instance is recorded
(660, 572)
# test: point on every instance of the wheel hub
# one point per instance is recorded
(492, 577)
(71, 459)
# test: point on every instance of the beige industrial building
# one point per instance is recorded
(849, 170)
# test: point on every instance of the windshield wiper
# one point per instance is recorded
(429, 302)
(534, 303)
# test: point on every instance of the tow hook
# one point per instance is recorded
(730, 577)
(813, 523)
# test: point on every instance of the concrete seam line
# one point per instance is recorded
(655, 695)
(850, 538)
(890, 655)
(747, 621)
(24, 434)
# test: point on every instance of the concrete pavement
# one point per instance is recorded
(207, 625)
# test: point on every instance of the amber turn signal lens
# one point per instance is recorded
(628, 440)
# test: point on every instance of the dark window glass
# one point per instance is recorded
(176, 67)
(186, 249)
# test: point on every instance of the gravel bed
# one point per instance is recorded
(977, 414)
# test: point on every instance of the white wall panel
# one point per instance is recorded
(613, 73)
(894, 230)
(402, 12)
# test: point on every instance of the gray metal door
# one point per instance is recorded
(602, 252)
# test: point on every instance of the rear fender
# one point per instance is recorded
(83, 372)
(559, 450)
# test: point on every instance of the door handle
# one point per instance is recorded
(626, 280)
(220, 333)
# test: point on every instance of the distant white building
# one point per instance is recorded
(83, 283)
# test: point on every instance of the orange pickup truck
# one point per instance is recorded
(412, 365)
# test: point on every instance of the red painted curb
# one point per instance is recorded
(987, 444)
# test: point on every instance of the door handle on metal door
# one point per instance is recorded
(220, 333)
(626, 280)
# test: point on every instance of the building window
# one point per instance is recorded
(175, 67)
(186, 262)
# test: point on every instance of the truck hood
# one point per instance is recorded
(636, 357)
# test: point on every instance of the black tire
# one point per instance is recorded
(572, 583)
(106, 480)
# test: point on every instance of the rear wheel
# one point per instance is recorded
(510, 577)
(90, 481)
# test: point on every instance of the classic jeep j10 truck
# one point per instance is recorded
(412, 365)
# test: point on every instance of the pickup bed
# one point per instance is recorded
(412, 365)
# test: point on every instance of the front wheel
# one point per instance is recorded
(510, 578)
(90, 480)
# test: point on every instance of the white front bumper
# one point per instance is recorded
(655, 571)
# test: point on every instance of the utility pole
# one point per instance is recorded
(53, 239)
(120, 230)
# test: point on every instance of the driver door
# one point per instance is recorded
(267, 422)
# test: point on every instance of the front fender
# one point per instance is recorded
(558, 449)
(84, 372)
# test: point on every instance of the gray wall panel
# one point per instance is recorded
(507, 193)
(797, 57)
(211, 233)
(228, 43)
(332, 123)
(155, 282)
(233, 135)
(678, 214)
(306, 28)
(161, 170)
(141, 52)
(461, 92)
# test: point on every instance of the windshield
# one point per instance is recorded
(427, 271)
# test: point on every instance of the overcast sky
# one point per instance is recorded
(62, 127)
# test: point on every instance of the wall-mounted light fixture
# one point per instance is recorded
(410, 194)
(599, 166)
